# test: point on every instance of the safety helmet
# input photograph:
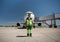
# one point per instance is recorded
(29, 12)
(32, 15)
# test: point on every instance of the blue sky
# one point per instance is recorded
(12, 11)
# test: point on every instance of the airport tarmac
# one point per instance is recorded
(12, 34)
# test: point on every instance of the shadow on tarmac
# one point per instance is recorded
(21, 36)
(21, 28)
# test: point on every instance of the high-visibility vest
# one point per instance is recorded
(28, 22)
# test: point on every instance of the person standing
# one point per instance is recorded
(29, 24)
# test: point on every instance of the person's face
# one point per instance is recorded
(29, 14)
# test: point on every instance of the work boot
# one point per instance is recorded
(27, 34)
(30, 34)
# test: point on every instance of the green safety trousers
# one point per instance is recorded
(29, 31)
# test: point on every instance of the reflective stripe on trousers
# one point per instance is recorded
(29, 29)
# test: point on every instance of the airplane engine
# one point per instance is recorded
(39, 24)
(18, 24)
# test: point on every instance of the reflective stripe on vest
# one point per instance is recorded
(29, 22)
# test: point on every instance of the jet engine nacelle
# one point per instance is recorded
(39, 24)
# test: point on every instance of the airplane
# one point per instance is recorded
(40, 20)
(33, 18)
